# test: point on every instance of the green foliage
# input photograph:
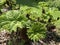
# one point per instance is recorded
(43, 4)
(37, 31)
(17, 18)
(54, 3)
(11, 20)
(2, 2)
